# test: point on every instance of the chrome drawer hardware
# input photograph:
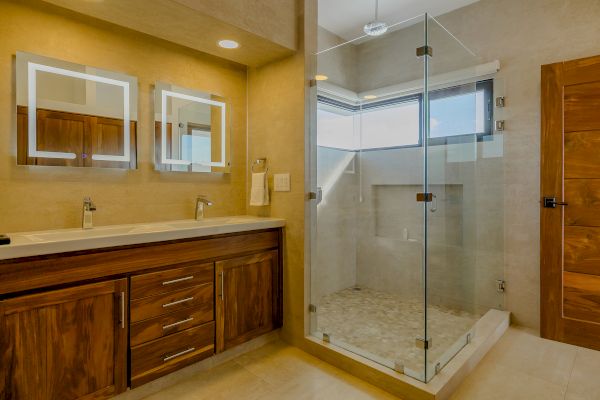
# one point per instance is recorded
(178, 302)
(178, 323)
(187, 278)
(167, 358)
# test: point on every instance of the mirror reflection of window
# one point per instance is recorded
(195, 134)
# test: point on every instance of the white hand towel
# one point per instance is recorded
(259, 192)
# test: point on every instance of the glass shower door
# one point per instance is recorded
(367, 266)
(463, 175)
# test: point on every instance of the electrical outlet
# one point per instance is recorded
(281, 182)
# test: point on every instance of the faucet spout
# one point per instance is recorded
(201, 201)
(88, 208)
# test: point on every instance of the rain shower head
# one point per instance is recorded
(376, 27)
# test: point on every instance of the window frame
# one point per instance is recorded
(488, 93)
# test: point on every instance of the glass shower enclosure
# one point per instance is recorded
(407, 228)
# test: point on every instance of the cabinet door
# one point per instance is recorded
(247, 298)
(65, 344)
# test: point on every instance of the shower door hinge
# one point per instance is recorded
(425, 51)
(326, 338)
(312, 308)
(425, 197)
(424, 344)
(500, 285)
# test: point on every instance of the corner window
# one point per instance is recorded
(456, 113)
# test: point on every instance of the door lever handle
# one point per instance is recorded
(550, 202)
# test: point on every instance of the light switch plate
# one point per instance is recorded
(281, 182)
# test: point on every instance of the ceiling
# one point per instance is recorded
(200, 24)
(346, 18)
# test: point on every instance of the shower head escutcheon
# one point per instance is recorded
(376, 27)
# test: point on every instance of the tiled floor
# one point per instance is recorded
(385, 325)
(524, 366)
(273, 372)
(520, 367)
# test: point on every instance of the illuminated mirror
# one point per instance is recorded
(73, 115)
(191, 130)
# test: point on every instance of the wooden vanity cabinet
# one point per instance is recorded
(132, 313)
(248, 298)
(65, 344)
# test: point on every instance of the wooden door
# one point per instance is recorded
(247, 303)
(65, 344)
(570, 173)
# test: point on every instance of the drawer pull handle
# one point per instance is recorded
(187, 278)
(167, 358)
(178, 323)
(177, 302)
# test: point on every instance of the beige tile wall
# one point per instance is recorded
(33, 198)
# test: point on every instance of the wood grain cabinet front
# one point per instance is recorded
(248, 298)
(175, 302)
(159, 357)
(172, 320)
(65, 344)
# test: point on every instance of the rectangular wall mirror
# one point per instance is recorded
(191, 130)
(74, 115)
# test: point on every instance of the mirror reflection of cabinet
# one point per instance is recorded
(191, 130)
(73, 115)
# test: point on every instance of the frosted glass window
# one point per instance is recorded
(395, 126)
(338, 130)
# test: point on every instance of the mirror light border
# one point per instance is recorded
(32, 69)
(163, 128)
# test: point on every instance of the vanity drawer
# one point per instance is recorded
(150, 307)
(167, 324)
(168, 280)
(162, 356)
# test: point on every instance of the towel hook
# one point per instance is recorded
(260, 163)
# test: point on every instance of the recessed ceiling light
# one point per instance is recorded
(229, 44)
(321, 77)
(370, 97)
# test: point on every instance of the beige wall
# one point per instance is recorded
(276, 131)
(34, 198)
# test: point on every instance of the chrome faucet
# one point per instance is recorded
(88, 208)
(201, 201)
